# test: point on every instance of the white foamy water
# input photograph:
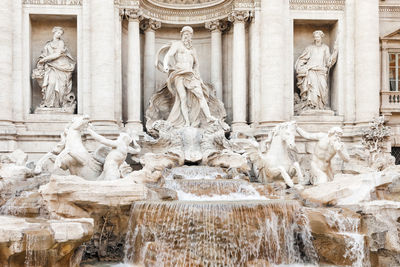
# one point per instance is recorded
(218, 190)
(348, 227)
(195, 173)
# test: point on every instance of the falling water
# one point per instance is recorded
(36, 255)
(349, 228)
(184, 233)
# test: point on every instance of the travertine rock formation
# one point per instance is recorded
(39, 242)
(75, 197)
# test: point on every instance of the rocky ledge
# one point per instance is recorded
(37, 242)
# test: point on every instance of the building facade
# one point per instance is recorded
(247, 50)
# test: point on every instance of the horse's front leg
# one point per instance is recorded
(285, 176)
(299, 173)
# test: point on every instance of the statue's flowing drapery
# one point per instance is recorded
(57, 79)
(166, 105)
(312, 69)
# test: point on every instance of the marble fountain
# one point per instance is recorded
(196, 193)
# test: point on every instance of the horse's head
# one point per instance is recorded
(287, 132)
(80, 123)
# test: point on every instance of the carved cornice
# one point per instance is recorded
(150, 24)
(317, 4)
(239, 16)
(53, 2)
(389, 11)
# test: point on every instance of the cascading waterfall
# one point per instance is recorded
(187, 233)
(36, 256)
(349, 228)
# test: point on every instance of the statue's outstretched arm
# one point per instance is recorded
(307, 135)
(102, 139)
(134, 150)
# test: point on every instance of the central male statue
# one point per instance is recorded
(184, 80)
(185, 100)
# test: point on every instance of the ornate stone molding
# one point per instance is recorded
(186, 4)
(150, 24)
(53, 2)
(133, 14)
(317, 4)
(127, 3)
(186, 14)
(388, 11)
(239, 16)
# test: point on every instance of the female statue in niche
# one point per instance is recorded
(54, 74)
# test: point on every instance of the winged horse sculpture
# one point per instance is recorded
(277, 161)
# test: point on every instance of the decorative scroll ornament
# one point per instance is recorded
(217, 25)
(150, 24)
(239, 16)
(133, 13)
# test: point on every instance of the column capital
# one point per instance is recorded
(239, 16)
(217, 25)
(132, 14)
(150, 25)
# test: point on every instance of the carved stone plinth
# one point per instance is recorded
(317, 112)
(68, 110)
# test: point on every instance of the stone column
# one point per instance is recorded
(385, 67)
(349, 99)
(274, 14)
(134, 93)
(367, 60)
(149, 79)
(216, 56)
(239, 88)
(254, 90)
(102, 55)
(6, 63)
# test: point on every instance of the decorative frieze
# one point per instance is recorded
(245, 4)
(127, 3)
(317, 4)
(53, 2)
(389, 11)
(184, 15)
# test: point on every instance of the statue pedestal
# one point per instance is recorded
(317, 112)
(40, 110)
